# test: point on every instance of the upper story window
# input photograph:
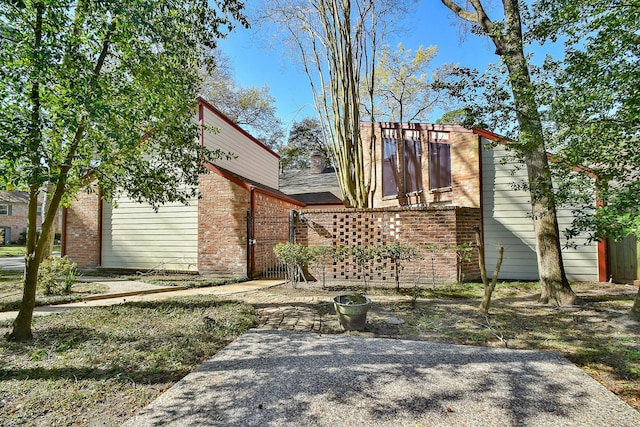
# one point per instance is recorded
(412, 164)
(439, 160)
(389, 164)
(402, 175)
(5, 210)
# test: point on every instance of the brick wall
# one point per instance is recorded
(434, 231)
(465, 167)
(81, 237)
(222, 226)
(222, 229)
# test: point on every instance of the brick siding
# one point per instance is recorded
(222, 226)
(270, 227)
(81, 238)
(17, 221)
(465, 168)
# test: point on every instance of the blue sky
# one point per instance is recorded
(431, 23)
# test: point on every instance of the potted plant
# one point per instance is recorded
(352, 311)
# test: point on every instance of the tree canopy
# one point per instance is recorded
(106, 91)
(406, 87)
(337, 43)
(595, 105)
(305, 139)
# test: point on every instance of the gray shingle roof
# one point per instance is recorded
(14, 197)
(312, 189)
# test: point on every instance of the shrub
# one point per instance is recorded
(57, 276)
(294, 256)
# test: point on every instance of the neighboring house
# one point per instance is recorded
(425, 165)
(215, 234)
(14, 208)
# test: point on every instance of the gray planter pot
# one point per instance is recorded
(352, 311)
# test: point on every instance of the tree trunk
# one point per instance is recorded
(508, 40)
(50, 236)
(635, 310)
(22, 324)
(553, 281)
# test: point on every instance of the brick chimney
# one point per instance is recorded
(317, 163)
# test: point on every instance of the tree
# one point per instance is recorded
(403, 89)
(337, 42)
(460, 116)
(305, 139)
(101, 91)
(507, 36)
(596, 104)
(252, 108)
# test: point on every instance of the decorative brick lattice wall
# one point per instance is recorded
(435, 232)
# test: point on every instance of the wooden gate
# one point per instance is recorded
(623, 259)
(264, 233)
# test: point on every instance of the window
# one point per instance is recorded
(412, 166)
(5, 210)
(439, 160)
(389, 167)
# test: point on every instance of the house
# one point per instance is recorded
(14, 208)
(225, 232)
(431, 184)
(426, 165)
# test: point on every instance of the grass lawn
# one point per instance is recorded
(12, 250)
(100, 365)
(18, 250)
(11, 291)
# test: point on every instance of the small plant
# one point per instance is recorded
(489, 287)
(353, 299)
(57, 276)
(363, 257)
(398, 254)
(325, 256)
(294, 256)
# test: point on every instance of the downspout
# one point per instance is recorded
(100, 237)
(251, 244)
(481, 190)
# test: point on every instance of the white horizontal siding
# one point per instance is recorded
(137, 237)
(250, 160)
(507, 222)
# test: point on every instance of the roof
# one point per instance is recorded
(251, 184)
(312, 189)
(14, 197)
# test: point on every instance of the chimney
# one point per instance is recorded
(317, 163)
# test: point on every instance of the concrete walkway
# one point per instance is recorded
(280, 378)
(121, 291)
